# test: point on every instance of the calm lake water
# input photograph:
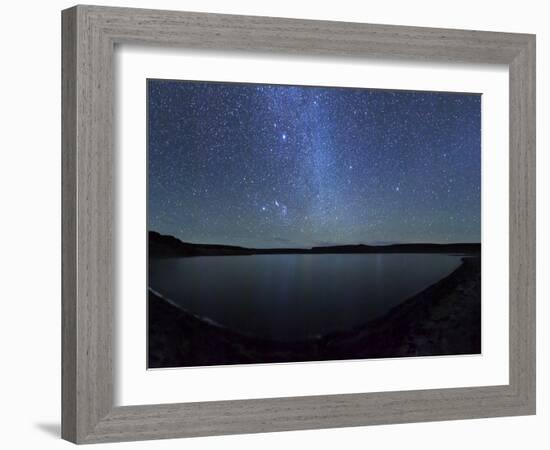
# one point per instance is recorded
(292, 297)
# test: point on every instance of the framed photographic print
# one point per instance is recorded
(334, 217)
(305, 210)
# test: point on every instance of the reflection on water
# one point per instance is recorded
(292, 297)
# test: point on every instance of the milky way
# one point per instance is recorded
(292, 166)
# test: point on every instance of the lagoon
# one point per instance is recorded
(293, 297)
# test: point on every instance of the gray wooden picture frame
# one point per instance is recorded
(89, 37)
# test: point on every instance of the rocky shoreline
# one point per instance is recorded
(444, 319)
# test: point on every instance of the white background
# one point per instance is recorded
(30, 225)
(135, 386)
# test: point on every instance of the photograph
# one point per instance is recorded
(290, 223)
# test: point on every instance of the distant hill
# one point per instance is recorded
(165, 246)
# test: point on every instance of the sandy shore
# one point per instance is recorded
(444, 319)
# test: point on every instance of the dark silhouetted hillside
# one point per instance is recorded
(164, 246)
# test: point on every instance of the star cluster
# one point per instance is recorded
(289, 166)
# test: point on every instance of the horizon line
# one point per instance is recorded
(327, 245)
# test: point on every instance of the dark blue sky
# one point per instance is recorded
(287, 166)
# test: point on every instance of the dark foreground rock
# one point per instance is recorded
(444, 319)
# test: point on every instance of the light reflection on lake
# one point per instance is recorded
(292, 297)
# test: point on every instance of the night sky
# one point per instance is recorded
(288, 166)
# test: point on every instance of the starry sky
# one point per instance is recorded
(264, 166)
